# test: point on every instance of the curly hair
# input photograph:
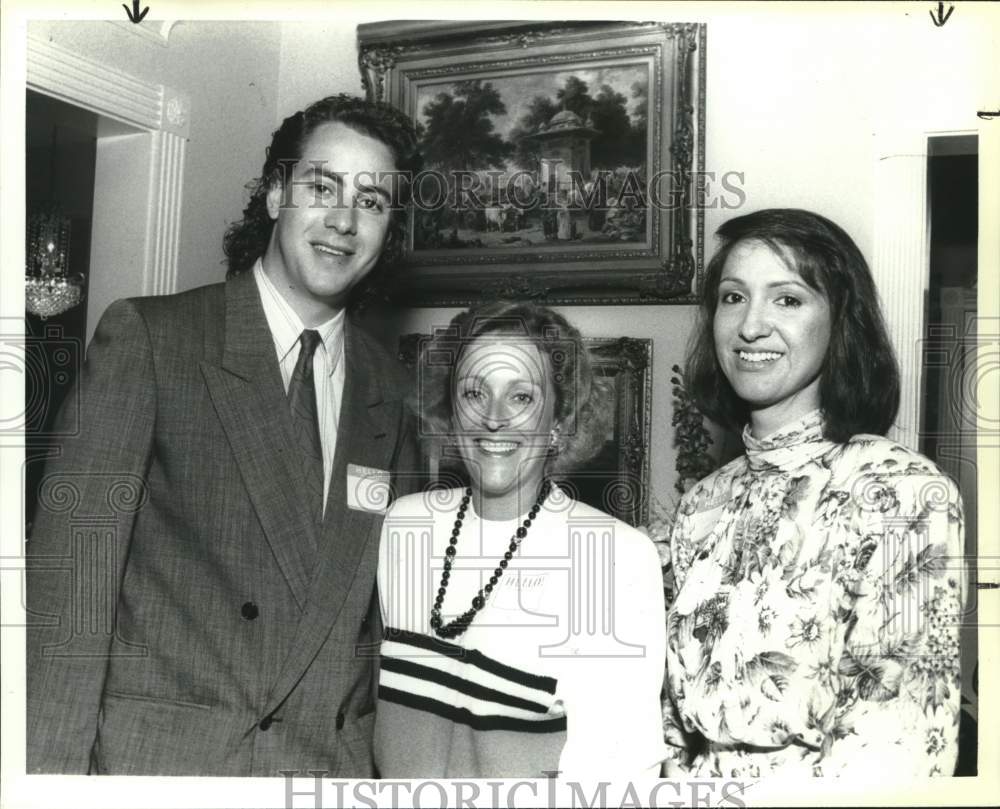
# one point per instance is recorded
(582, 401)
(245, 241)
(859, 381)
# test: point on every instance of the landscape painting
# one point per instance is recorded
(534, 160)
(558, 158)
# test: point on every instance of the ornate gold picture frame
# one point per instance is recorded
(560, 158)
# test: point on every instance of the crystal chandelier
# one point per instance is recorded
(49, 288)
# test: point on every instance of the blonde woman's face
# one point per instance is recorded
(504, 413)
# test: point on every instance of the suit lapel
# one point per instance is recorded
(249, 398)
(366, 435)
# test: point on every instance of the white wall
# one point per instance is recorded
(796, 100)
(795, 96)
(304, 78)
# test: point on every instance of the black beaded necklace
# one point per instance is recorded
(461, 623)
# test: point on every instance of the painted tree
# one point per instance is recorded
(640, 119)
(540, 110)
(458, 128)
(610, 148)
(574, 96)
(458, 135)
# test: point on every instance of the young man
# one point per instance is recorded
(201, 568)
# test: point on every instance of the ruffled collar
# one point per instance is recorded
(789, 447)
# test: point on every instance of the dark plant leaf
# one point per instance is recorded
(879, 681)
(938, 692)
(933, 560)
(772, 662)
(930, 561)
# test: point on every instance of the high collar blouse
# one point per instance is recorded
(814, 626)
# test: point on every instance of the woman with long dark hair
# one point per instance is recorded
(818, 576)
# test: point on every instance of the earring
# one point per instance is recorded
(554, 445)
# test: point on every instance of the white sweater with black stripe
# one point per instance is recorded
(561, 671)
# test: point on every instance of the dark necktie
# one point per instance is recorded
(302, 401)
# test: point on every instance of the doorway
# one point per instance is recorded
(60, 163)
(948, 413)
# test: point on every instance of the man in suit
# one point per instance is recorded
(201, 569)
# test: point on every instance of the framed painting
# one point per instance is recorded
(560, 159)
(616, 480)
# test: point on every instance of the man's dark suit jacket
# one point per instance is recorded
(185, 615)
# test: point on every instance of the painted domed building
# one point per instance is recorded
(564, 146)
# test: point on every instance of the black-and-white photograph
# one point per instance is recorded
(527, 408)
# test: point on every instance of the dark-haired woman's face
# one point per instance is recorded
(772, 332)
(504, 411)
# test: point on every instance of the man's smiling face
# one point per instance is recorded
(332, 220)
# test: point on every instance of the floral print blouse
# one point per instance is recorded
(814, 628)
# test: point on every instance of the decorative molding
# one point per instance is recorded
(176, 113)
(164, 224)
(628, 363)
(625, 353)
(156, 31)
(674, 279)
(63, 74)
(520, 287)
(83, 82)
(901, 265)
(160, 111)
(375, 64)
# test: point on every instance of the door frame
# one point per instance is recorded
(138, 184)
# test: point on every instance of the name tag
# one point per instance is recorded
(368, 489)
